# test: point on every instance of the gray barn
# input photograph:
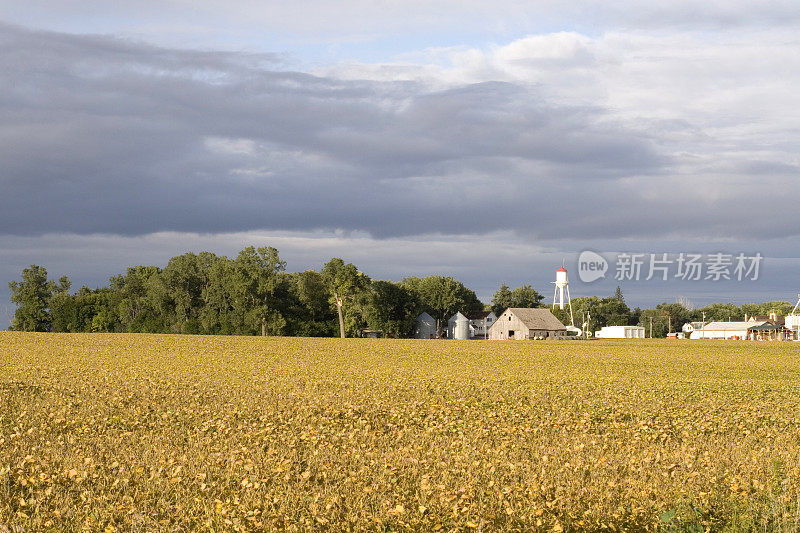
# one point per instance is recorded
(519, 323)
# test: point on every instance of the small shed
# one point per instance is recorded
(425, 327)
(521, 323)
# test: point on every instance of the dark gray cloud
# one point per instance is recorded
(102, 135)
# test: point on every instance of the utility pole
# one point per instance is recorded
(341, 318)
(651, 326)
(263, 326)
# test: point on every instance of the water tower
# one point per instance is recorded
(562, 284)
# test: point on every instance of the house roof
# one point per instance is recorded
(780, 320)
(767, 326)
(731, 326)
(537, 318)
(477, 315)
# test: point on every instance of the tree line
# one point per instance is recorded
(250, 294)
(253, 294)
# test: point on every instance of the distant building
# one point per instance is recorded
(758, 330)
(425, 327)
(690, 327)
(620, 332)
(480, 322)
(772, 318)
(370, 333)
(725, 330)
(793, 325)
(519, 323)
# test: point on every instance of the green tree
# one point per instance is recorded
(352, 286)
(137, 308)
(442, 297)
(764, 309)
(32, 296)
(664, 316)
(718, 312)
(618, 294)
(392, 308)
(501, 300)
(62, 307)
(525, 296)
(310, 312)
(677, 315)
(253, 287)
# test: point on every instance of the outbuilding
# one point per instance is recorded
(727, 330)
(522, 323)
(620, 332)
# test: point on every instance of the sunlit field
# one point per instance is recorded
(160, 432)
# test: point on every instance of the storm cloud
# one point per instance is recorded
(103, 135)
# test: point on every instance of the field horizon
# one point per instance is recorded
(182, 432)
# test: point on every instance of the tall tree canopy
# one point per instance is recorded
(442, 296)
(524, 296)
(32, 296)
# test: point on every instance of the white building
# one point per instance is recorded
(620, 332)
(793, 325)
(480, 322)
(726, 330)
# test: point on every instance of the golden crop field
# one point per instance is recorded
(184, 433)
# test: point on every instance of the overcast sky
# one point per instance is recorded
(489, 141)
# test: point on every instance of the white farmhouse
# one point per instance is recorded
(480, 322)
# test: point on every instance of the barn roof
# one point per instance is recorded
(732, 326)
(537, 318)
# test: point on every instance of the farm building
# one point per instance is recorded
(725, 330)
(620, 332)
(793, 326)
(425, 327)
(749, 330)
(458, 327)
(518, 323)
(480, 322)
